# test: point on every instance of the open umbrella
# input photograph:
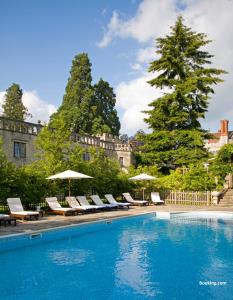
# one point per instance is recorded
(69, 174)
(142, 177)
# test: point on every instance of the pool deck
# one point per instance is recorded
(55, 221)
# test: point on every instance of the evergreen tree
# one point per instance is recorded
(77, 101)
(13, 106)
(87, 109)
(182, 68)
(105, 119)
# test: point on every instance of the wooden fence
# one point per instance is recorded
(187, 198)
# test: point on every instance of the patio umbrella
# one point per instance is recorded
(142, 177)
(69, 174)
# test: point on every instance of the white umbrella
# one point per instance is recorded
(142, 177)
(69, 174)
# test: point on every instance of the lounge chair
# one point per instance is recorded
(56, 207)
(96, 199)
(6, 219)
(155, 198)
(112, 200)
(17, 210)
(73, 203)
(83, 202)
(129, 199)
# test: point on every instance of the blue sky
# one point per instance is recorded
(39, 39)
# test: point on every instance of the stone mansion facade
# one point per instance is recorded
(220, 138)
(18, 139)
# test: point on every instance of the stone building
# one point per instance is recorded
(220, 138)
(18, 139)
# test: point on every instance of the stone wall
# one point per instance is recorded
(16, 133)
(20, 133)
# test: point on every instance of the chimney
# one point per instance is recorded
(224, 127)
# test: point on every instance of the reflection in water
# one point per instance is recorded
(214, 223)
(216, 266)
(133, 267)
(69, 256)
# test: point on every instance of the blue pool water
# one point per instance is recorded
(130, 258)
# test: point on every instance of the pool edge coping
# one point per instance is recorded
(30, 232)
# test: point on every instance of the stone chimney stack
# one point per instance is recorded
(224, 127)
(223, 132)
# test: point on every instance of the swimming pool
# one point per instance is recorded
(143, 257)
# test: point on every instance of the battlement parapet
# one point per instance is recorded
(19, 126)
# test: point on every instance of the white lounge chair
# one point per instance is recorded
(129, 199)
(17, 210)
(56, 207)
(155, 198)
(6, 219)
(112, 200)
(83, 201)
(73, 203)
(96, 199)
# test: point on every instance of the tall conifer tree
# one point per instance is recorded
(183, 73)
(105, 119)
(13, 106)
(77, 101)
(86, 109)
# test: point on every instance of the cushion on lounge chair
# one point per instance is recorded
(4, 216)
(131, 200)
(55, 205)
(73, 203)
(155, 198)
(16, 207)
(26, 213)
(112, 200)
(15, 204)
(99, 202)
(84, 203)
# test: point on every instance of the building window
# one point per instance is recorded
(121, 160)
(86, 156)
(19, 150)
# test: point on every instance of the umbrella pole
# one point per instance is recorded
(143, 191)
(69, 186)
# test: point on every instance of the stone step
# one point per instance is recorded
(227, 199)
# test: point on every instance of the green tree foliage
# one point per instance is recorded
(58, 152)
(195, 178)
(13, 106)
(20, 182)
(225, 155)
(76, 108)
(223, 162)
(106, 119)
(87, 109)
(6, 174)
(184, 76)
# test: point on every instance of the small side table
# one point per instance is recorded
(41, 213)
(8, 220)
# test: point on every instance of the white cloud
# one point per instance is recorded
(112, 28)
(146, 55)
(133, 97)
(136, 67)
(147, 23)
(39, 109)
(152, 20)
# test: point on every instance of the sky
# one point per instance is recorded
(39, 39)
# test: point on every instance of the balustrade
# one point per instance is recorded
(19, 126)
